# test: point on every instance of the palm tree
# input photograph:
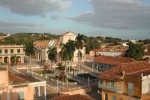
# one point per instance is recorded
(65, 55)
(30, 50)
(52, 54)
(67, 52)
(71, 49)
(79, 46)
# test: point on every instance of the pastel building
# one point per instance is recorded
(8, 51)
(43, 46)
(18, 87)
(126, 81)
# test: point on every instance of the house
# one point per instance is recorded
(8, 51)
(104, 63)
(126, 81)
(14, 87)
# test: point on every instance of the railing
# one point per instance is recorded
(110, 88)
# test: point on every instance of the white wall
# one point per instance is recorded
(145, 84)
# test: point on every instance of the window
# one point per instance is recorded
(21, 95)
(0, 50)
(6, 51)
(114, 98)
(112, 83)
(106, 96)
(130, 88)
(18, 50)
(12, 50)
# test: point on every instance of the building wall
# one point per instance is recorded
(13, 94)
(4, 81)
(8, 55)
(146, 84)
(137, 85)
(118, 96)
(68, 36)
(124, 84)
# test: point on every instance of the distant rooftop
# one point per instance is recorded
(113, 60)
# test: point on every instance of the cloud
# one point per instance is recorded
(6, 24)
(55, 17)
(117, 14)
(35, 7)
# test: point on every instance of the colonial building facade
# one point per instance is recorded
(8, 51)
(130, 81)
(43, 46)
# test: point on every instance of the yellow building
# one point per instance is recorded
(126, 82)
(8, 51)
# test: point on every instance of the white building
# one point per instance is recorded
(43, 46)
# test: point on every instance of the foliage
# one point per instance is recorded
(67, 51)
(135, 51)
(60, 67)
(112, 41)
(92, 44)
(14, 60)
(29, 48)
(79, 41)
(52, 54)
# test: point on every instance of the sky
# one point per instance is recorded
(126, 19)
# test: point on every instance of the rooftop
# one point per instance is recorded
(113, 60)
(14, 79)
(133, 68)
(42, 43)
(72, 97)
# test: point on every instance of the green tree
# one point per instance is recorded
(30, 50)
(52, 52)
(14, 60)
(79, 46)
(71, 49)
(135, 51)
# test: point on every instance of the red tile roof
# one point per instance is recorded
(72, 97)
(132, 68)
(41, 43)
(113, 60)
(14, 79)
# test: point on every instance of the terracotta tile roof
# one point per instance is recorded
(41, 43)
(72, 97)
(28, 78)
(14, 79)
(113, 60)
(133, 68)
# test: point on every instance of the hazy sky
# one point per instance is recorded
(128, 19)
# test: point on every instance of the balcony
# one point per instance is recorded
(110, 88)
